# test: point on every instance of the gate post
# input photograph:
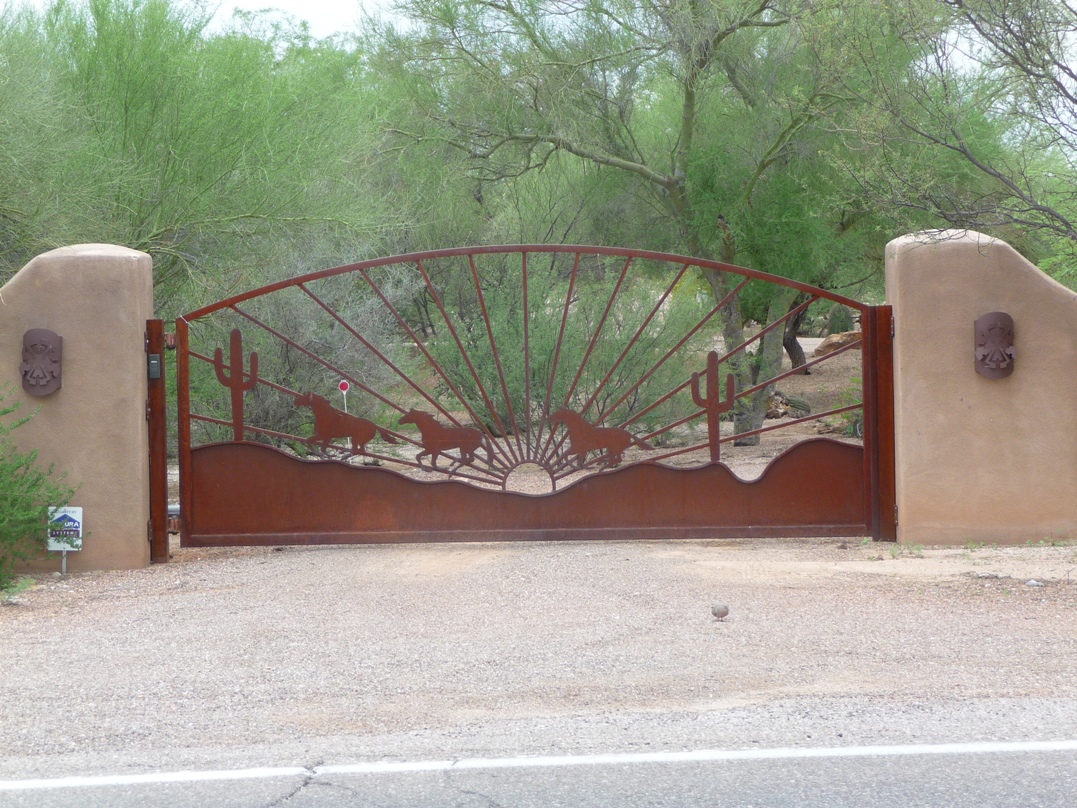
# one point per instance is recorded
(155, 413)
(97, 297)
(878, 361)
(981, 459)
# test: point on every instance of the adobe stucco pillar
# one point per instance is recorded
(98, 298)
(980, 459)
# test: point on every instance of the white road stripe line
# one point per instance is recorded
(154, 778)
(698, 756)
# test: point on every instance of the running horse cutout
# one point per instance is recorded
(437, 438)
(330, 423)
(584, 437)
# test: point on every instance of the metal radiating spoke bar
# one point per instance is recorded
(793, 422)
(673, 351)
(634, 339)
(598, 330)
(370, 347)
(497, 363)
(539, 445)
(508, 459)
(786, 374)
(471, 367)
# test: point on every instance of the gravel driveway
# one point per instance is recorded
(307, 655)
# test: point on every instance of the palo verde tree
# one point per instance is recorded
(215, 153)
(980, 130)
(714, 109)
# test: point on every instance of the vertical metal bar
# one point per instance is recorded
(520, 454)
(541, 453)
(158, 435)
(529, 454)
(884, 424)
(878, 414)
(183, 423)
(869, 327)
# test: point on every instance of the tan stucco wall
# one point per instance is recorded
(98, 298)
(981, 460)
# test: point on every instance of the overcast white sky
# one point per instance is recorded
(325, 16)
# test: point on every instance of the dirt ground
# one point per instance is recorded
(346, 652)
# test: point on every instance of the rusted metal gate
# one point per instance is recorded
(525, 393)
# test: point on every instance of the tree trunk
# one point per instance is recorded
(764, 365)
(789, 339)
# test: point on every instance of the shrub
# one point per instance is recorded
(27, 491)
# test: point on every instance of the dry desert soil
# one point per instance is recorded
(408, 649)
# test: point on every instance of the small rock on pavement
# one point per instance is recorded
(720, 611)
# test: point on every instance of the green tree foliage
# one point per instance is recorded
(720, 113)
(792, 136)
(979, 128)
(215, 154)
(27, 491)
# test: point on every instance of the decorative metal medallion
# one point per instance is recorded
(995, 350)
(41, 366)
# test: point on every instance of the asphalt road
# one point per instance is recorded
(962, 776)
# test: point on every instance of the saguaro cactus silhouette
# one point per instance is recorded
(235, 381)
(714, 405)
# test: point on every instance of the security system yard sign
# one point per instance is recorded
(65, 531)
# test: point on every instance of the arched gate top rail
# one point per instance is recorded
(452, 252)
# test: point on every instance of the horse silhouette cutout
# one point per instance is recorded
(584, 437)
(436, 439)
(331, 423)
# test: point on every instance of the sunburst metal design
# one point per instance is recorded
(472, 364)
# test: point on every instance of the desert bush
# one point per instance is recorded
(27, 491)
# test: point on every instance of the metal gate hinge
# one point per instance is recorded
(149, 410)
(149, 531)
(895, 514)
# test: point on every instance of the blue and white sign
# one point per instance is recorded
(65, 529)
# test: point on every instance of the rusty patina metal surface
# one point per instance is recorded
(330, 424)
(817, 486)
(995, 352)
(42, 362)
(158, 439)
(714, 405)
(532, 356)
